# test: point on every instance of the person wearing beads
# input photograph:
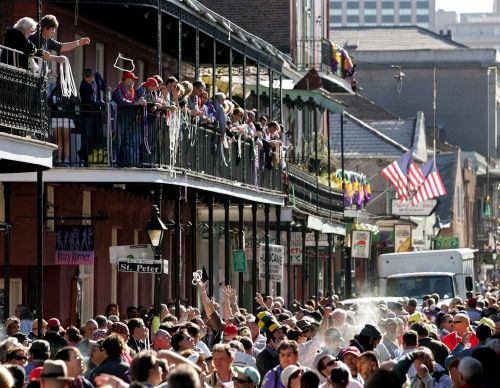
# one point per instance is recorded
(48, 26)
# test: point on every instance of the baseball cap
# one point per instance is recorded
(128, 75)
(54, 322)
(288, 372)
(230, 330)
(339, 375)
(151, 83)
(251, 373)
(349, 350)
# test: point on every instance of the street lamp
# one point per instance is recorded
(436, 228)
(494, 257)
(156, 230)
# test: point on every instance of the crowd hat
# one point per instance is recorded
(486, 321)
(339, 375)
(249, 372)
(55, 369)
(128, 75)
(288, 372)
(230, 329)
(266, 322)
(371, 331)
(415, 317)
(349, 350)
(151, 82)
(54, 322)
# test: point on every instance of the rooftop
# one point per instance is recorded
(391, 38)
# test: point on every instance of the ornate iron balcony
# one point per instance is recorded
(129, 137)
(23, 111)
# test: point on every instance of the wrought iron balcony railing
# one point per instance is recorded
(108, 136)
(23, 111)
(308, 193)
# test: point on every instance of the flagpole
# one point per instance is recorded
(434, 95)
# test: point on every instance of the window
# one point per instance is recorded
(370, 11)
(352, 19)
(405, 18)
(370, 5)
(370, 18)
(422, 18)
(353, 5)
(423, 4)
(335, 19)
(388, 4)
(99, 58)
(418, 286)
(336, 4)
(387, 18)
(405, 4)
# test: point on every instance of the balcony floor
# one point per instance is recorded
(107, 175)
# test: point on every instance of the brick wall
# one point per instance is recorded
(269, 20)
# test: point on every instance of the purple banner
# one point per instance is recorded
(74, 244)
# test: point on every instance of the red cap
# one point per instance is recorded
(35, 373)
(350, 349)
(230, 330)
(151, 83)
(128, 75)
(54, 322)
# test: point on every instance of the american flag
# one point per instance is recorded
(415, 177)
(396, 173)
(433, 185)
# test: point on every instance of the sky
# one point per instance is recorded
(465, 6)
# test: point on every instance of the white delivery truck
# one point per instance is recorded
(448, 272)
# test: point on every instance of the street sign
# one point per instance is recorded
(425, 208)
(142, 266)
(239, 261)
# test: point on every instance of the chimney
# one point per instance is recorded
(448, 34)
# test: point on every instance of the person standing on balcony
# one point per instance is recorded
(128, 138)
(62, 114)
(48, 26)
(16, 38)
(91, 105)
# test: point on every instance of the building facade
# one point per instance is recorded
(355, 13)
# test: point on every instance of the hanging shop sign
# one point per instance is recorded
(276, 260)
(139, 251)
(424, 208)
(402, 238)
(361, 243)
(239, 261)
(74, 244)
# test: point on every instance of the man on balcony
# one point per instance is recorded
(48, 26)
(129, 139)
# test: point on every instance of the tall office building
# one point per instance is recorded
(355, 13)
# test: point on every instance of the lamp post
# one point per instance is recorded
(494, 257)
(156, 230)
(436, 228)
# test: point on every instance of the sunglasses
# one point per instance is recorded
(19, 358)
(329, 363)
(241, 381)
(457, 321)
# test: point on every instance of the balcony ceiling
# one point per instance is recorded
(23, 154)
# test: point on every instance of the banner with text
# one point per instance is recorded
(74, 244)
(276, 260)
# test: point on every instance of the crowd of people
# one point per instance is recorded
(317, 343)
